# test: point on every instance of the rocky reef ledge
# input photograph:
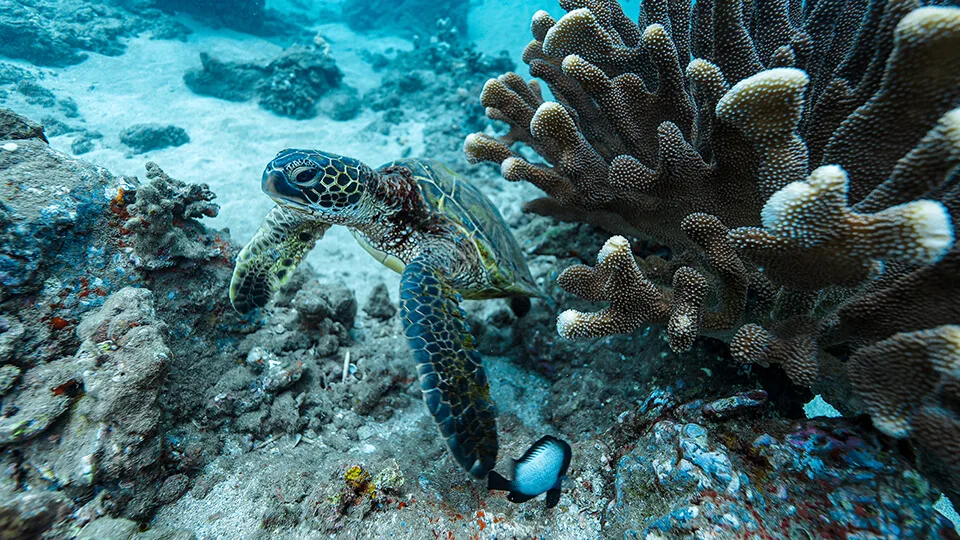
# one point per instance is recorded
(134, 403)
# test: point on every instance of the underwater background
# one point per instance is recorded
(741, 214)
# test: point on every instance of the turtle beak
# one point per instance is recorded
(271, 182)
(274, 183)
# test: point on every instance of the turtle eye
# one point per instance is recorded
(304, 175)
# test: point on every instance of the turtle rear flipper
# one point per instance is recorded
(271, 256)
(452, 378)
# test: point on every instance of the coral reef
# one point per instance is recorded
(82, 414)
(142, 138)
(406, 17)
(57, 33)
(110, 440)
(297, 82)
(55, 228)
(801, 170)
(726, 480)
(112, 435)
(162, 217)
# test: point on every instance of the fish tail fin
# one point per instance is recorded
(496, 481)
(553, 497)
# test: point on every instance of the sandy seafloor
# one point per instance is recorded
(230, 143)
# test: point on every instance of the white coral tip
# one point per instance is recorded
(510, 168)
(571, 62)
(829, 178)
(613, 245)
(782, 212)
(471, 148)
(654, 31)
(786, 79)
(928, 19)
(779, 209)
(540, 15)
(934, 230)
(566, 322)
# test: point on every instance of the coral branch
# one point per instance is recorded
(792, 346)
(897, 377)
(811, 238)
(634, 300)
(825, 135)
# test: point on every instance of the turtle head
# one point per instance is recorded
(328, 186)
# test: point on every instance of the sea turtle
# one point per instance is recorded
(438, 231)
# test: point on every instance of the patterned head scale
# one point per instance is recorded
(323, 184)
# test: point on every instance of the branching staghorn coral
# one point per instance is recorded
(803, 157)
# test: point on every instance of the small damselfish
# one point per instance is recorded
(541, 469)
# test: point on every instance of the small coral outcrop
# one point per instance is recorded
(163, 218)
(142, 138)
(302, 81)
(799, 163)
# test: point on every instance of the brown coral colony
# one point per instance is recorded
(805, 164)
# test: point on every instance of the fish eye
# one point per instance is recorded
(304, 175)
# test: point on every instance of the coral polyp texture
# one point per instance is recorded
(799, 161)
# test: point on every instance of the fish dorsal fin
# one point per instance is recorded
(538, 447)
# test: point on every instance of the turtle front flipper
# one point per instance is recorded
(452, 379)
(271, 256)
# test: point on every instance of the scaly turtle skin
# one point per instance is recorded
(418, 218)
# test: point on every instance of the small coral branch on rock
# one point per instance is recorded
(163, 220)
(802, 169)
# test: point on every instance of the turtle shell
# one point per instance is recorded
(462, 203)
